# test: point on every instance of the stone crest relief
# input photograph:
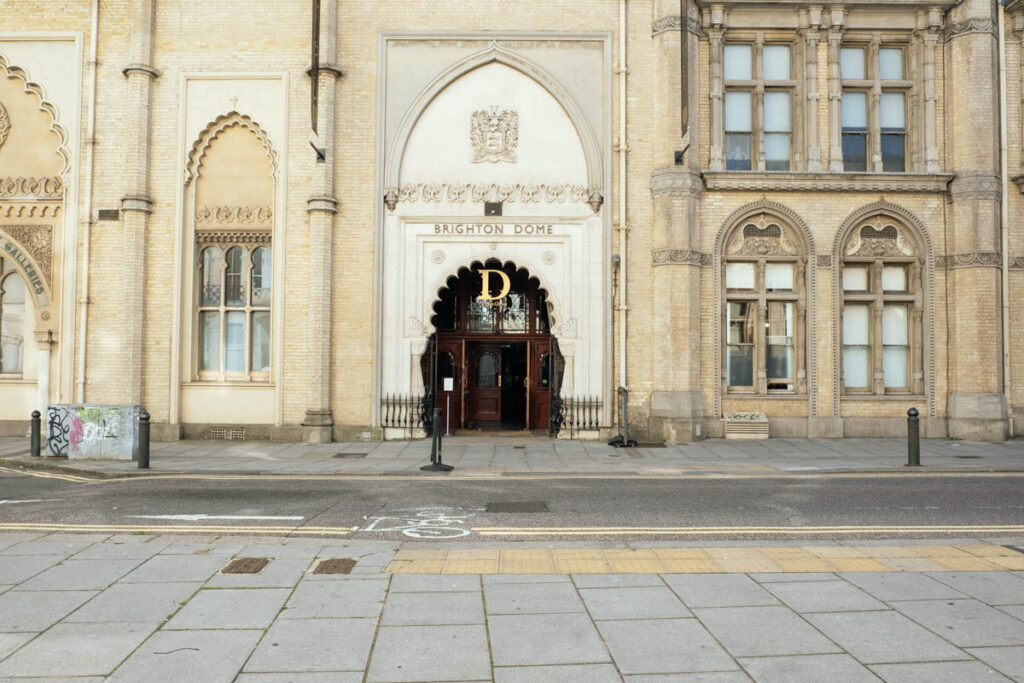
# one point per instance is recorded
(494, 135)
(5, 125)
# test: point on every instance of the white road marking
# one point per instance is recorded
(29, 500)
(196, 518)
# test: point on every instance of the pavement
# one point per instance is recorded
(482, 456)
(152, 607)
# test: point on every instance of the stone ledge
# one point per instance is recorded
(827, 182)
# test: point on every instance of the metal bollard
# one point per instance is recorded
(913, 438)
(435, 448)
(35, 442)
(143, 440)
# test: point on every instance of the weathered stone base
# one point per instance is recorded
(676, 417)
(978, 417)
(14, 427)
(318, 426)
(825, 428)
(357, 433)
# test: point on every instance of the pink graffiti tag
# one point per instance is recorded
(76, 433)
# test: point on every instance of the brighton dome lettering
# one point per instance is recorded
(493, 229)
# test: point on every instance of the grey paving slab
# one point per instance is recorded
(1009, 661)
(497, 579)
(163, 568)
(536, 599)
(884, 637)
(824, 596)
(336, 599)
(994, 588)
(294, 548)
(663, 646)
(15, 569)
(537, 639)
(36, 611)
(967, 623)
(789, 577)
(80, 575)
(580, 673)
(208, 656)
(94, 649)
(430, 653)
(421, 609)
(427, 583)
(48, 546)
(230, 608)
(210, 546)
(718, 590)
(763, 631)
(278, 574)
(709, 677)
(938, 672)
(809, 668)
(616, 580)
(9, 642)
(293, 677)
(1014, 611)
(902, 586)
(633, 602)
(298, 645)
(122, 550)
(135, 602)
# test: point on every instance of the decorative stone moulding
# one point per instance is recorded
(261, 216)
(5, 125)
(974, 25)
(690, 257)
(37, 240)
(37, 90)
(19, 210)
(974, 259)
(1017, 263)
(826, 182)
(233, 236)
(494, 135)
(745, 426)
(557, 193)
(1019, 182)
(824, 260)
(215, 128)
(51, 187)
(673, 23)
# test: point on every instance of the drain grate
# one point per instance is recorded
(517, 506)
(245, 565)
(226, 433)
(334, 565)
(351, 455)
(967, 457)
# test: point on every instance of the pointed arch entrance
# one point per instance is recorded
(492, 362)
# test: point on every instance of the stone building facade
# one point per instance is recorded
(809, 210)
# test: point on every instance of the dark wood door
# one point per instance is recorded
(539, 381)
(449, 365)
(483, 399)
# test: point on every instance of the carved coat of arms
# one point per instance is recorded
(494, 135)
(5, 125)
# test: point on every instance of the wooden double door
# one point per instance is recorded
(497, 384)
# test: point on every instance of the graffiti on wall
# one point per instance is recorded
(93, 431)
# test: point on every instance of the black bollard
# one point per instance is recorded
(143, 440)
(435, 448)
(34, 443)
(913, 438)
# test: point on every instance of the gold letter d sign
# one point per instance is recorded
(485, 287)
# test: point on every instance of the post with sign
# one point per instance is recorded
(449, 384)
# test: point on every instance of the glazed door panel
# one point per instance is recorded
(483, 402)
(449, 364)
(539, 380)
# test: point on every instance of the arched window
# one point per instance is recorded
(233, 310)
(763, 274)
(882, 310)
(12, 320)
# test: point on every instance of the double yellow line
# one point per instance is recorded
(743, 530)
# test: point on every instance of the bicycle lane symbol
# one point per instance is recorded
(423, 523)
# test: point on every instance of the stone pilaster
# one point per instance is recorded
(977, 407)
(136, 204)
(835, 91)
(676, 407)
(317, 425)
(812, 36)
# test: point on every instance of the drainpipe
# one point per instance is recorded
(623, 149)
(1004, 178)
(90, 150)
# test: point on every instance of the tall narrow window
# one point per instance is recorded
(764, 302)
(739, 103)
(12, 320)
(874, 128)
(758, 102)
(233, 312)
(882, 311)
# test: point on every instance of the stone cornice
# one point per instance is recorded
(146, 69)
(973, 25)
(976, 186)
(687, 257)
(672, 23)
(326, 204)
(137, 203)
(973, 259)
(827, 182)
(676, 181)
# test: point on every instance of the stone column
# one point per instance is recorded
(44, 340)
(136, 204)
(977, 407)
(676, 409)
(835, 92)
(322, 207)
(930, 39)
(811, 38)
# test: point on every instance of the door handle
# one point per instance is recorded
(526, 382)
(499, 381)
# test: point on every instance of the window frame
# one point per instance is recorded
(225, 241)
(9, 273)
(758, 86)
(874, 87)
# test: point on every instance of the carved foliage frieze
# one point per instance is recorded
(974, 259)
(490, 192)
(762, 236)
(47, 187)
(689, 257)
(37, 240)
(5, 125)
(494, 135)
(257, 216)
(233, 236)
(975, 25)
(879, 238)
(30, 210)
(673, 23)
(1017, 263)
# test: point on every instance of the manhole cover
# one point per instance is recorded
(517, 506)
(335, 565)
(245, 565)
(351, 455)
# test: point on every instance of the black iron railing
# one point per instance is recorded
(578, 414)
(405, 411)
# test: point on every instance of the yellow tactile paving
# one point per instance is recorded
(719, 559)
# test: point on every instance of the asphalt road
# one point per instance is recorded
(580, 508)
